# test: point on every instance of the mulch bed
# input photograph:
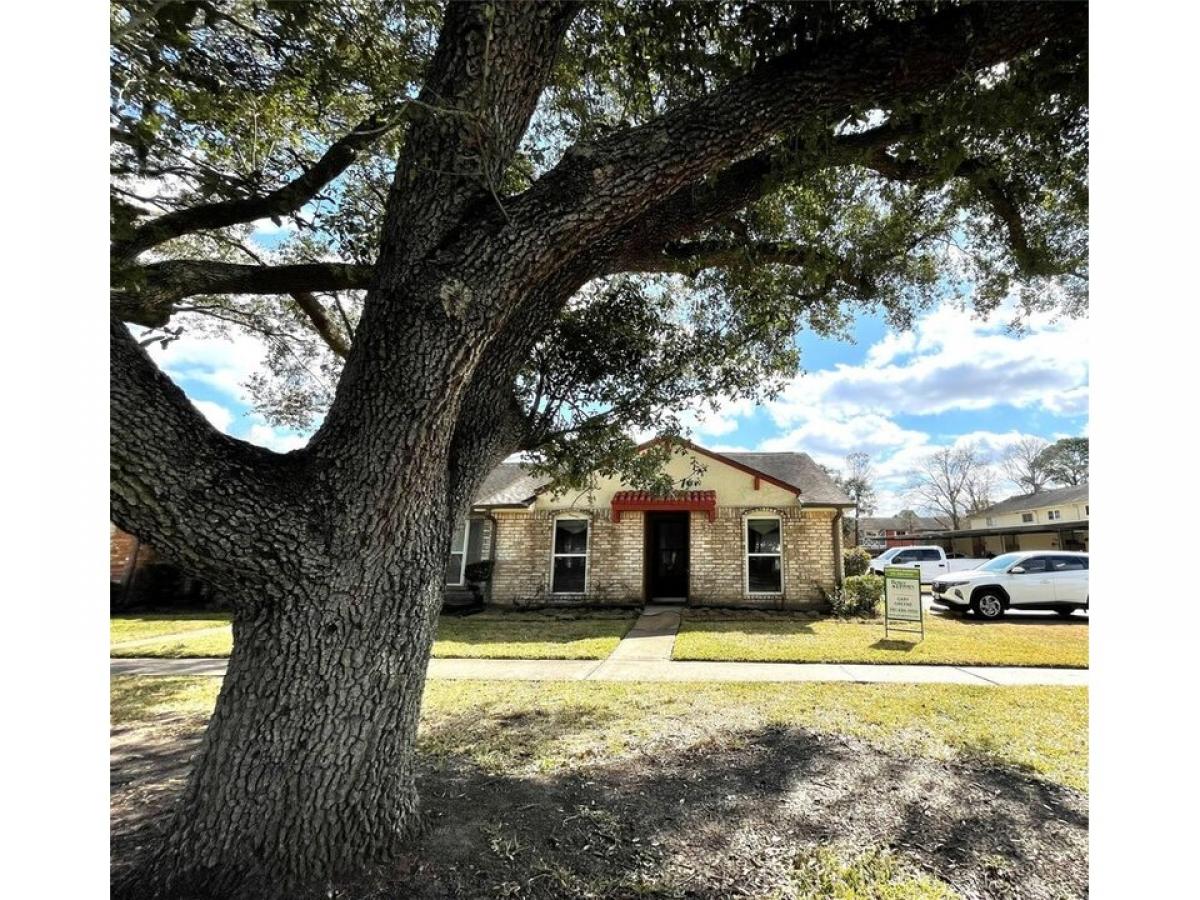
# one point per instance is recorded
(698, 823)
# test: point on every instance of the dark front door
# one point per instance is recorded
(667, 556)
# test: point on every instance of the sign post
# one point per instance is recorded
(902, 601)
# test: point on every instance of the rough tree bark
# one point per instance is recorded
(333, 556)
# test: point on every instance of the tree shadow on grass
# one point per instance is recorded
(893, 644)
(704, 820)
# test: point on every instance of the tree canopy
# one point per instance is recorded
(536, 227)
(1065, 462)
(969, 181)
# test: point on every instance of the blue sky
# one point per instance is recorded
(951, 379)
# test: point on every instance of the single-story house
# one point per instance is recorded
(1056, 519)
(754, 529)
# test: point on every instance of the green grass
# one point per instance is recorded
(948, 641)
(549, 726)
(488, 635)
(136, 628)
(827, 873)
(521, 635)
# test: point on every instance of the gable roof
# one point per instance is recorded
(510, 485)
(799, 471)
(1073, 494)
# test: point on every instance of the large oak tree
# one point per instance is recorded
(516, 227)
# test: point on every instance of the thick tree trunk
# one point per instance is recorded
(307, 768)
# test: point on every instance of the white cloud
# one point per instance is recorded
(219, 416)
(281, 440)
(952, 361)
(268, 228)
(221, 363)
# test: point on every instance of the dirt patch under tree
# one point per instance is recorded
(702, 822)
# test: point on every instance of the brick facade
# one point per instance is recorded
(615, 571)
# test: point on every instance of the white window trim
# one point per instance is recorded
(587, 554)
(1026, 521)
(466, 542)
(1053, 515)
(746, 554)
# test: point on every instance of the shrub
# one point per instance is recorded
(855, 560)
(859, 595)
(479, 572)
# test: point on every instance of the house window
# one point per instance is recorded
(1026, 517)
(467, 540)
(569, 565)
(991, 521)
(1054, 514)
(1087, 510)
(764, 556)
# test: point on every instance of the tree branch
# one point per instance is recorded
(173, 475)
(281, 201)
(616, 180)
(322, 324)
(689, 258)
(491, 65)
(150, 293)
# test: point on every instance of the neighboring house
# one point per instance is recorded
(138, 577)
(905, 529)
(758, 529)
(1056, 519)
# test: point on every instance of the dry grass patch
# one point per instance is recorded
(544, 727)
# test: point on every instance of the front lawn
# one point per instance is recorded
(154, 625)
(782, 637)
(532, 635)
(487, 635)
(615, 790)
(544, 726)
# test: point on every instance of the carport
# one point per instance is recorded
(980, 542)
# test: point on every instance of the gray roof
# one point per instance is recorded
(900, 523)
(1074, 494)
(510, 485)
(798, 470)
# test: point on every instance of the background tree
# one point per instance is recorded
(908, 521)
(1066, 461)
(1022, 463)
(980, 487)
(954, 481)
(515, 227)
(858, 483)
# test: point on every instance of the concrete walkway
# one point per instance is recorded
(670, 670)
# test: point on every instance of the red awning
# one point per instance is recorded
(644, 501)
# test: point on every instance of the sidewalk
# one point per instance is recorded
(670, 670)
(645, 655)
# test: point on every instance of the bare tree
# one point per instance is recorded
(953, 481)
(979, 488)
(1023, 463)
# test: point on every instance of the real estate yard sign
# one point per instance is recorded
(902, 600)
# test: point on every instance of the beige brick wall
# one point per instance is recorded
(615, 572)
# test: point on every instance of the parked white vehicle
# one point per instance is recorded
(1041, 579)
(932, 560)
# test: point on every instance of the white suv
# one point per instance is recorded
(1038, 579)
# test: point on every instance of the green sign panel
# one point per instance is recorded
(902, 600)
